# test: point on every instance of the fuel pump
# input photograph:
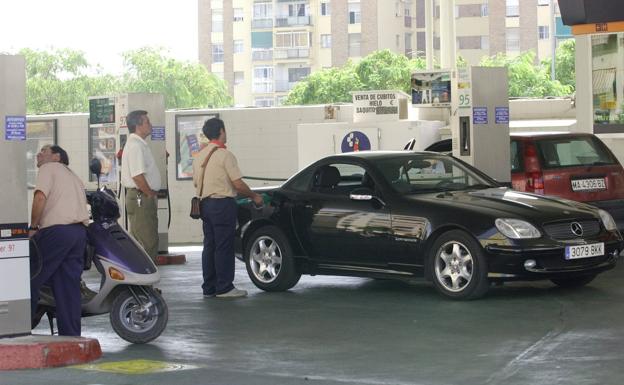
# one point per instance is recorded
(477, 105)
(108, 135)
(14, 250)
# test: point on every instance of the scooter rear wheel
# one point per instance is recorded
(135, 322)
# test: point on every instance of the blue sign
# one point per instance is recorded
(15, 128)
(158, 133)
(501, 115)
(479, 115)
(355, 141)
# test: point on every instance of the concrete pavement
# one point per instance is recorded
(336, 330)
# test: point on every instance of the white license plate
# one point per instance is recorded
(584, 251)
(588, 184)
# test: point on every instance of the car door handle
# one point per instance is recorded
(308, 205)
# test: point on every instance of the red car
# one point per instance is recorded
(574, 166)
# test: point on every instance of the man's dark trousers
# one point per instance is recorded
(219, 225)
(61, 249)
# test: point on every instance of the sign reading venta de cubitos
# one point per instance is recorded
(376, 105)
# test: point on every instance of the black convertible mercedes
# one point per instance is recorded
(409, 214)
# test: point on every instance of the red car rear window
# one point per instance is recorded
(573, 152)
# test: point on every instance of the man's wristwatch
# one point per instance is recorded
(33, 228)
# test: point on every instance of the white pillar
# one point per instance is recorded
(429, 33)
(584, 92)
(447, 33)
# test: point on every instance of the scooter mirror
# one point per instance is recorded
(96, 167)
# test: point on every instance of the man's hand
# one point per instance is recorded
(257, 198)
(31, 233)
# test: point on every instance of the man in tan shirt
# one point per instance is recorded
(58, 227)
(222, 180)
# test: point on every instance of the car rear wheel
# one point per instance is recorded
(269, 260)
(574, 281)
(458, 267)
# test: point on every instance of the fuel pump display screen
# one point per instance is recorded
(102, 111)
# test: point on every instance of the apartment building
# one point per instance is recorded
(262, 48)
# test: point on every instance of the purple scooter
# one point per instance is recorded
(138, 312)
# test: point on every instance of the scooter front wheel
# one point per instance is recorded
(139, 314)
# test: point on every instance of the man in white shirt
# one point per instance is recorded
(141, 178)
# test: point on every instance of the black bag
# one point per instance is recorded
(195, 201)
(195, 211)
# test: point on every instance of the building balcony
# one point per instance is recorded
(284, 85)
(263, 88)
(291, 53)
(289, 21)
(261, 23)
(262, 55)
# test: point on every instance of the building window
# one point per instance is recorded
(264, 102)
(397, 40)
(217, 21)
(325, 8)
(354, 44)
(239, 14)
(238, 46)
(512, 38)
(292, 39)
(543, 2)
(239, 77)
(485, 42)
(513, 8)
(484, 10)
(297, 10)
(296, 74)
(408, 44)
(263, 80)
(263, 10)
(281, 100)
(217, 53)
(354, 13)
(408, 8)
(216, 4)
(543, 32)
(325, 41)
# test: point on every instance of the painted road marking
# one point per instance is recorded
(136, 367)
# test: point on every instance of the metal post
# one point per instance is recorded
(429, 33)
(447, 34)
(553, 40)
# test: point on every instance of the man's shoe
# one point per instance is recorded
(234, 293)
(208, 295)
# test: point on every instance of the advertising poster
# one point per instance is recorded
(189, 141)
(431, 89)
(103, 147)
(38, 134)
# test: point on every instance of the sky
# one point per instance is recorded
(102, 29)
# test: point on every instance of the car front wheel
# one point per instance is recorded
(269, 260)
(458, 267)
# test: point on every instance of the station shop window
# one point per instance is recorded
(607, 88)
(189, 141)
(38, 134)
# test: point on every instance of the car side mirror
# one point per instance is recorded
(365, 194)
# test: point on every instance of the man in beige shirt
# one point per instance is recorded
(58, 227)
(222, 180)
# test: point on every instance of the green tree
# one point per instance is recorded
(184, 84)
(525, 78)
(59, 80)
(381, 70)
(564, 63)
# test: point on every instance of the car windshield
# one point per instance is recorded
(570, 152)
(427, 173)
